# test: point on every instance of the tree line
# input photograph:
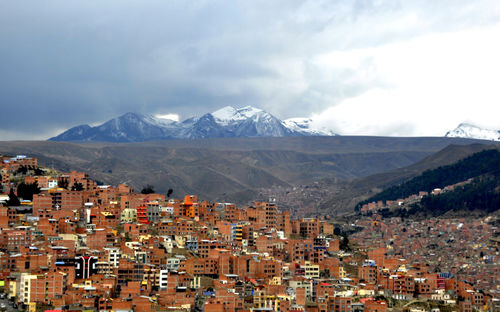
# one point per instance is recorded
(487, 161)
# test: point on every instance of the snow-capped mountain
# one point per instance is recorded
(469, 131)
(129, 127)
(230, 115)
(250, 122)
(305, 126)
(225, 122)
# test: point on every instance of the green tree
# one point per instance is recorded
(13, 200)
(127, 237)
(148, 189)
(38, 171)
(63, 183)
(77, 187)
(344, 243)
(22, 170)
(26, 191)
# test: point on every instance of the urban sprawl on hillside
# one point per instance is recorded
(70, 243)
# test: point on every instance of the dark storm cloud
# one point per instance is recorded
(65, 63)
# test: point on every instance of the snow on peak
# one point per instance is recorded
(299, 122)
(157, 121)
(229, 122)
(225, 113)
(249, 111)
(306, 126)
(229, 114)
(470, 131)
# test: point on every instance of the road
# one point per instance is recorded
(7, 305)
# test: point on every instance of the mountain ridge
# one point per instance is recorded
(351, 193)
(475, 165)
(469, 185)
(223, 123)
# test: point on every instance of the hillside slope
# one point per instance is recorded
(470, 167)
(235, 168)
(469, 185)
(345, 198)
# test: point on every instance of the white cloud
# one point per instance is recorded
(424, 86)
(174, 117)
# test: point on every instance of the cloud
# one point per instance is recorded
(76, 62)
(426, 85)
(174, 117)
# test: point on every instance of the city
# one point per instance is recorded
(250, 156)
(68, 243)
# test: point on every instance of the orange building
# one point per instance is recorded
(375, 306)
(47, 287)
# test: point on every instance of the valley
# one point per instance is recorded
(345, 169)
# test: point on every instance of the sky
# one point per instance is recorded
(391, 68)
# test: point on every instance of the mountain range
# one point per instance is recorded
(226, 122)
(240, 169)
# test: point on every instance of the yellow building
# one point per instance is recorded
(25, 287)
(128, 215)
(275, 281)
(311, 270)
(342, 273)
(263, 301)
(196, 282)
(13, 289)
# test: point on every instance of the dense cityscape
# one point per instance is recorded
(250, 156)
(69, 243)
